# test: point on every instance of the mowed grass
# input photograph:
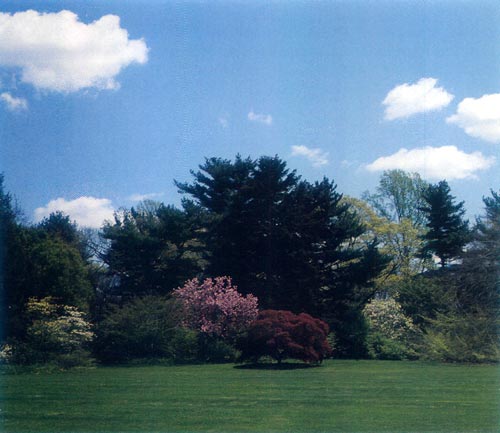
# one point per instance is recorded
(340, 396)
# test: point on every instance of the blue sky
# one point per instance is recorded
(96, 114)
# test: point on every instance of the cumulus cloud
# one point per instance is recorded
(479, 117)
(13, 103)
(58, 52)
(266, 119)
(446, 162)
(86, 211)
(406, 99)
(142, 197)
(316, 156)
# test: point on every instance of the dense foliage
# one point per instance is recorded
(447, 231)
(283, 335)
(148, 327)
(291, 243)
(399, 274)
(392, 334)
(55, 333)
(215, 307)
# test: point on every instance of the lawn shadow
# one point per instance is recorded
(275, 366)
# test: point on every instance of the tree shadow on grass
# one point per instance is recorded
(275, 366)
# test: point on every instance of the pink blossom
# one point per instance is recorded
(215, 307)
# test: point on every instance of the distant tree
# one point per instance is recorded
(215, 307)
(478, 277)
(59, 225)
(283, 335)
(469, 329)
(152, 249)
(401, 241)
(399, 196)
(395, 216)
(59, 271)
(447, 231)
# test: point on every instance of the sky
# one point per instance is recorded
(104, 103)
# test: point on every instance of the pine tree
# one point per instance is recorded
(290, 242)
(447, 231)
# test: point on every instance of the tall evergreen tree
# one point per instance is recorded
(287, 241)
(152, 249)
(478, 277)
(467, 329)
(448, 232)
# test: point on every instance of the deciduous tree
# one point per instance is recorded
(283, 335)
(215, 307)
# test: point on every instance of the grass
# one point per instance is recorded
(340, 396)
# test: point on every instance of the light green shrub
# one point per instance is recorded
(391, 334)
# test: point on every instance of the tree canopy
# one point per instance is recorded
(447, 231)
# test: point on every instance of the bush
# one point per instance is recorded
(148, 327)
(214, 349)
(466, 338)
(215, 308)
(282, 335)
(56, 333)
(391, 334)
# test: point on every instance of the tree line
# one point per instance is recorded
(397, 274)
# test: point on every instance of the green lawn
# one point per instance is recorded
(340, 396)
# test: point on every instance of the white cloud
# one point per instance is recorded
(142, 197)
(13, 103)
(266, 119)
(406, 99)
(316, 156)
(446, 162)
(57, 52)
(86, 211)
(479, 117)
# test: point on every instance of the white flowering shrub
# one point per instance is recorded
(5, 354)
(391, 334)
(57, 333)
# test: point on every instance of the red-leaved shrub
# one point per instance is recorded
(282, 334)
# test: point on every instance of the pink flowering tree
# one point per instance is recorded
(215, 308)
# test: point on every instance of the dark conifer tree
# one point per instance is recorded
(448, 232)
(152, 249)
(287, 241)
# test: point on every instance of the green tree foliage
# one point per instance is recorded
(147, 327)
(399, 196)
(401, 241)
(426, 295)
(459, 337)
(392, 335)
(478, 276)
(58, 270)
(153, 248)
(395, 217)
(55, 333)
(41, 261)
(291, 243)
(447, 231)
(469, 329)
(9, 254)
